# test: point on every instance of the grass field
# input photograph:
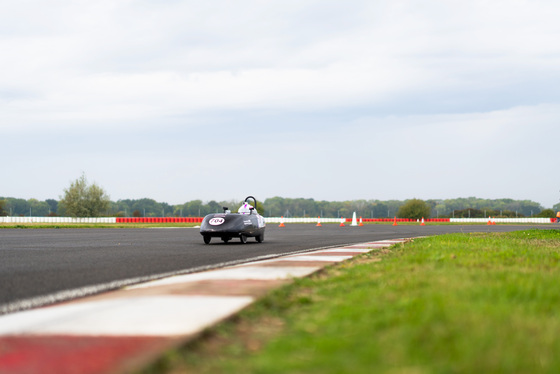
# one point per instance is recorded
(458, 303)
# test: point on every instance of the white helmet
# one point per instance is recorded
(245, 208)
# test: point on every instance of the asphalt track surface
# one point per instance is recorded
(41, 266)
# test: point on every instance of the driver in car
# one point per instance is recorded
(245, 208)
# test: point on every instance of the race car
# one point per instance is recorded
(247, 222)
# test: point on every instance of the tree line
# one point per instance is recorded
(276, 206)
(82, 199)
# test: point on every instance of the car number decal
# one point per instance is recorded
(216, 221)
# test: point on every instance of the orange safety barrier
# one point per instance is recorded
(159, 219)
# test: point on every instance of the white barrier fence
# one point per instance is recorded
(57, 220)
(300, 220)
(501, 220)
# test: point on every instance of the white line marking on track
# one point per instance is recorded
(346, 249)
(316, 258)
(236, 273)
(167, 316)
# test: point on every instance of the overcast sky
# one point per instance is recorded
(333, 100)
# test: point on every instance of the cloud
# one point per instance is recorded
(129, 60)
(408, 98)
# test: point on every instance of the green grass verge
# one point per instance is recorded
(458, 303)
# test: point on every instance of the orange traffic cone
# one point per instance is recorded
(395, 221)
(282, 222)
(342, 222)
(489, 221)
(422, 224)
(319, 222)
(494, 220)
(361, 222)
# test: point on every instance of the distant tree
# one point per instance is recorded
(16, 207)
(415, 209)
(53, 205)
(473, 213)
(393, 207)
(84, 200)
(136, 213)
(38, 208)
(213, 207)
(506, 214)
(148, 207)
(547, 213)
(275, 206)
(2, 205)
(193, 208)
(380, 210)
(121, 207)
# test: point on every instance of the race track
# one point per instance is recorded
(40, 266)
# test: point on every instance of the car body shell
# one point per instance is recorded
(233, 225)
